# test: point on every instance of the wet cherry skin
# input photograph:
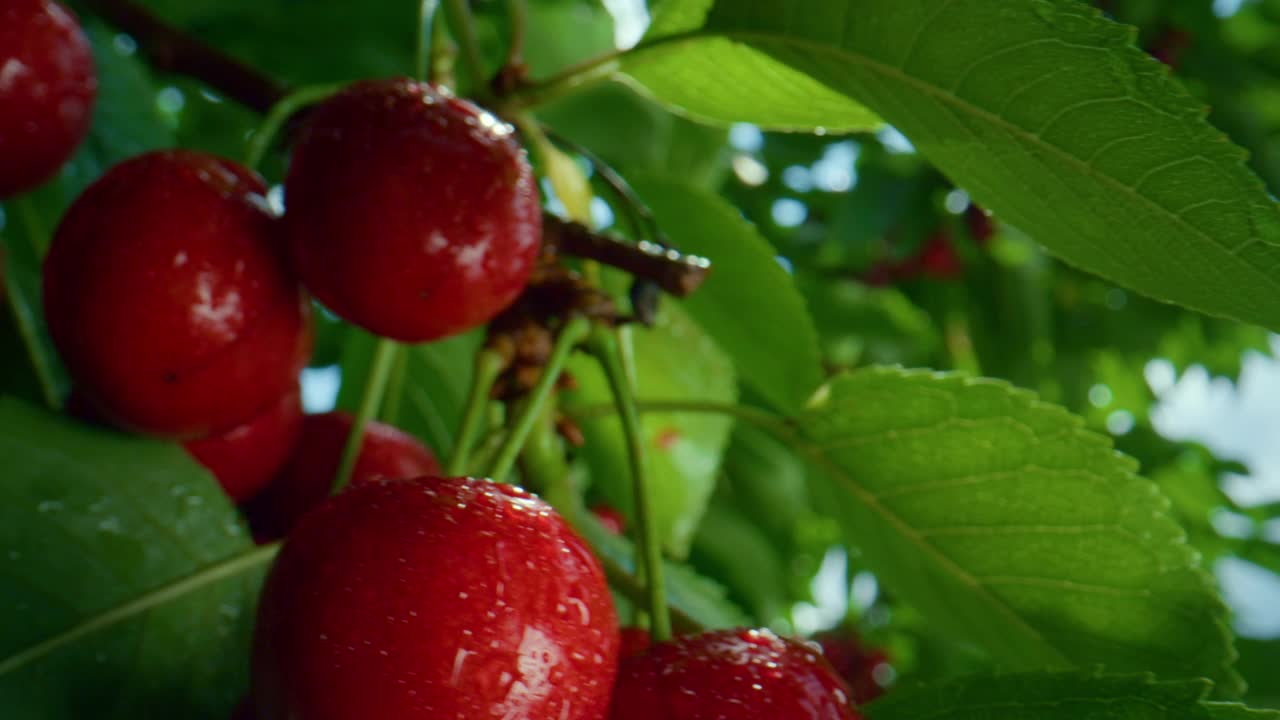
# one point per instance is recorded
(409, 212)
(308, 474)
(47, 89)
(169, 297)
(739, 674)
(447, 599)
(859, 664)
(611, 518)
(246, 457)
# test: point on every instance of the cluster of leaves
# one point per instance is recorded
(1064, 558)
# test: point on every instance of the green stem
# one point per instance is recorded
(142, 603)
(588, 72)
(443, 56)
(488, 365)
(762, 419)
(25, 316)
(422, 42)
(604, 345)
(635, 591)
(260, 140)
(375, 386)
(518, 11)
(464, 32)
(392, 398)
(574, 331)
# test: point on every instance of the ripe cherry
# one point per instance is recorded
(47, 88)
(633, 641)
(170, 298)
(609, 517)
(865, 669)
(306, 478)
(246, 457)
(938, 258)
(434, 598)
(739, 674)
(411, 213)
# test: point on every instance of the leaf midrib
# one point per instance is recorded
(908, 531)
(885, 69)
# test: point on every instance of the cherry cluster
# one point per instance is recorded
(179, 299)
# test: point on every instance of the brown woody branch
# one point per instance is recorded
(671, 270)
(170, 49)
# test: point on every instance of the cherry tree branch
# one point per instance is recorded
(170, 49)
(671, 270)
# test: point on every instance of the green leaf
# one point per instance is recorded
(20, 250)
(861, 325)
(986, 508)
(748, 304)
(1047, 115)
(1058, 696)
(734, 550)
(89, 520)
(716, 79)
(675, 358)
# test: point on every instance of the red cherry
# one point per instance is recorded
(612, 520)
(938, 258)
(170, 299)
(434, 598)
(306, 478)
(244, 458)
(863, 668)
(633, 641)
(411, 213)
(740, 674)
(1171, 45)
(982, 227)
(47, 88)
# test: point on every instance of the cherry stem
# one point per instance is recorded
(763, 419)
(464, 32)
(544, 461)
(444, 53)
(391, 402)
(173, 50)
(375, 387)
(518, 11)
(142, 603)
(278, 115)
(574, 331)
(604, 345)
(25, 316)
(586, 73)
(488, 366)
(424, 48)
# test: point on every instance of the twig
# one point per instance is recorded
(173, 50)
(674, 272)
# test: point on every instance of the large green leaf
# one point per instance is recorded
(89, 520)
(749, 304)
(1058, 696)
(986, 508)
(716, 79)
(675, 358)
(1043, 111)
